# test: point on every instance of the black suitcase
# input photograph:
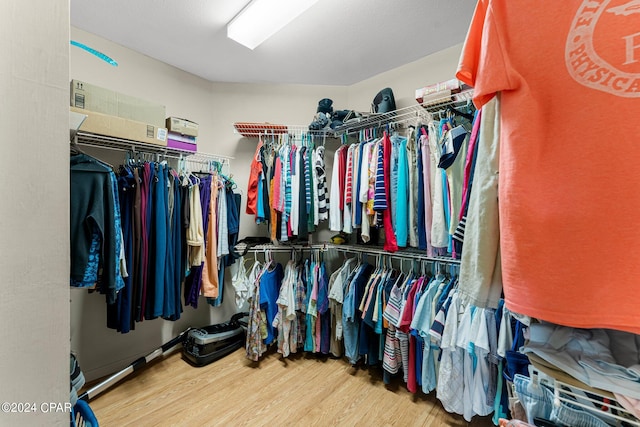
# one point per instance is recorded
(210, 343)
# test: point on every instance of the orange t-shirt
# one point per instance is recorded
(568, 73)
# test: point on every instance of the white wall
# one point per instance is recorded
(34, 230)
(215, 106)
(404, 80)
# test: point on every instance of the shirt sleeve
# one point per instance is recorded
(483, 64)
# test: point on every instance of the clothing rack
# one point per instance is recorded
(205, 161)
(119, 144)
(402, 254)
(367, 250)
(323, 247)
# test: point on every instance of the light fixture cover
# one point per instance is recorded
(261, 19)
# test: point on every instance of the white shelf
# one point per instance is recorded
(112, 143)
(411, 114)
(75, 121)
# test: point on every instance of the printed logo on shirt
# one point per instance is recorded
(603, 46)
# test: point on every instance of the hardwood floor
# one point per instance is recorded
(302, 390)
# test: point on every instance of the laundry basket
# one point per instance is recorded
(82, 415)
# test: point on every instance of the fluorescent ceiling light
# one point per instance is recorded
(261, 19)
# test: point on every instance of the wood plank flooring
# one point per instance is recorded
(303, 390)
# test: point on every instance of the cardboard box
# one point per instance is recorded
(182, 126)
(432, 91)
(100, 100)
(182, 142)
(117, 127)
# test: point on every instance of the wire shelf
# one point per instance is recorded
(609, 408)
(413, 254)
(419, 112)
(120, 144)
(413, 113)
(254, 130)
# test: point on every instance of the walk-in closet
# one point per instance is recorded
(316, 212)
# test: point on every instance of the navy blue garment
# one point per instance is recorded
(323, 310)
(445, 293)
(168, 302)
(351, 313)
(419, 356)
(310, 190)
(369, 344)
(126, 187)
(369, 341)
(303, 230)
(149, 295)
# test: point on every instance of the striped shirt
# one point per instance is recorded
(380, 196)
(322, 184)
(371, 176)
(342, 172)
(393, 310)
(307, 177)
(459, 234)
(286, 194)
(310, 189)
(349, 175)
(392, 358)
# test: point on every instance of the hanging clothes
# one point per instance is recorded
(95, 224)
(209, 276)
(152, 219)
(254, 175)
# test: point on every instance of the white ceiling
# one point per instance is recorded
(336, 42)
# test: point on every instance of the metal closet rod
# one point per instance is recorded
(202, 159)
(404, 254)
(284, 248)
